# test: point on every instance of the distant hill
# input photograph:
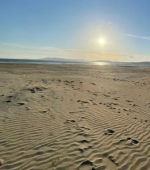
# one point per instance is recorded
(63, 59)
(107, 61)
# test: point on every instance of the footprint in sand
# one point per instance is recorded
(10, 96)
(129, 101)
(134, 105)
(70, 121)
(110, 162)
(84, 144)
(109, 132)
(27, 108)
(8, 101)
(87, 165)
(93, 83)
(71, 124)
(44, 111)
(82, 150)
(35, 89)
(134, 142)
(84, 141)
(115, 98)
(127, 141)
(106, 95)
(83, 134)
(20, 103)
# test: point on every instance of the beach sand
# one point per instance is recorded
(74, 117)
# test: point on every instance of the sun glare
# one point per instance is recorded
(101, 41)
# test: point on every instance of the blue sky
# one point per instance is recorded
(71, 29)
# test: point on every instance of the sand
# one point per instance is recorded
(69, 117)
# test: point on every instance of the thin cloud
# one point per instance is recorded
(13, 45)
(33, 52)
(131, 57)
(54, 49)
(140, 37)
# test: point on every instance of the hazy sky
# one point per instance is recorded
(71, 29)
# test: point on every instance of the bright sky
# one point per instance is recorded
(74, 29)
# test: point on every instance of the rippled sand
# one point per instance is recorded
(70, 117)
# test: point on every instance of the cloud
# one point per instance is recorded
(135, 36)
(131, 57)
(13, 45)
(32, 52)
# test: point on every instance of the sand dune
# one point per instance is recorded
(69, 117)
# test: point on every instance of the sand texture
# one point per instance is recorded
(69, 117)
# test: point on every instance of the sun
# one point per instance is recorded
(101, 41)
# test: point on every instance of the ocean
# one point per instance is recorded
(29, 61)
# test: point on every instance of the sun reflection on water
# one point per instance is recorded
(101, 63)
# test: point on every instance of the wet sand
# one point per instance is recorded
(71, 117)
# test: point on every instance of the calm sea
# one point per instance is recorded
(27, 61)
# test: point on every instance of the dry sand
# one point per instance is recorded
(69, 117)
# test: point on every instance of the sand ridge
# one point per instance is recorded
(71, 117)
